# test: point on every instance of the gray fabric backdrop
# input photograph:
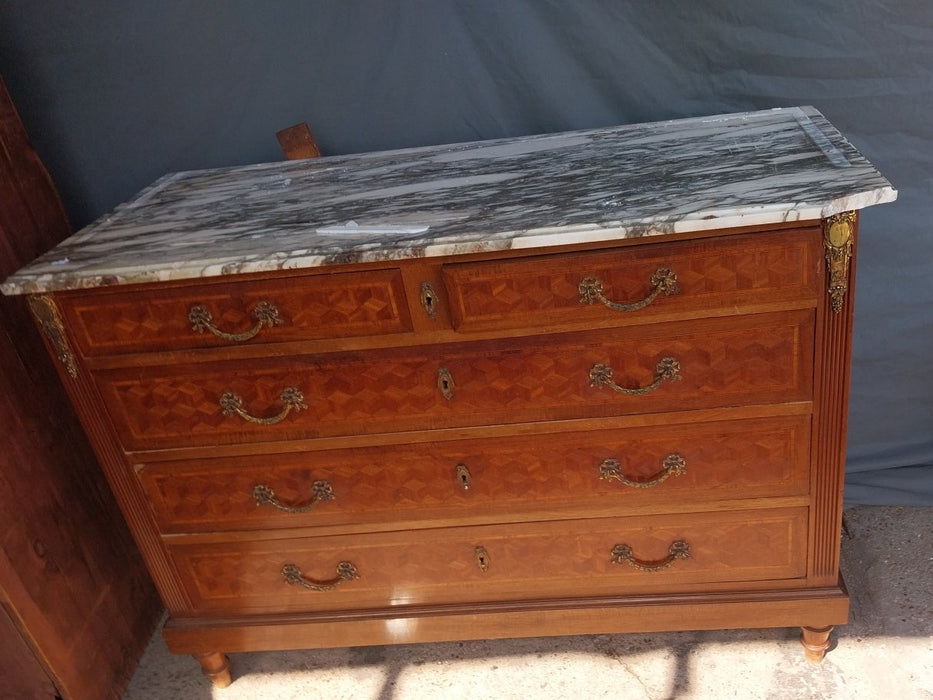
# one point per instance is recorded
(117, 93)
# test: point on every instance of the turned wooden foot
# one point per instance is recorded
(815, 642)
(216, 666)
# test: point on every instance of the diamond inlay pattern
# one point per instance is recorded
(724, 362)
(754, 457)
(315, 306)
(439, 566)
(733, 273)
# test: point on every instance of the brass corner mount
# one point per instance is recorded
(46, 313)
(838, 234)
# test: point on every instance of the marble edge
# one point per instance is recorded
(154, 188)
(536, 238)
(460, 145)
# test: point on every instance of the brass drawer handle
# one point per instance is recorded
(264, 313)
(664, 280)
(673, 465)
(320, 491)
(291, 399)
(345, 572)
(667, 370)
(622, 554)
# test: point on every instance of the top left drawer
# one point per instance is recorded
(115, 320)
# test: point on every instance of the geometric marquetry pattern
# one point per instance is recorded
(742, 360)
(351, 304)
(755, 457)
(732, 273)
(439, 566)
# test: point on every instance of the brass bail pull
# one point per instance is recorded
(346, 571)
(264, 313)
(623, 554)
(291, 399)
(673, 465)
(663, 281)
(320, 491)
(667, 370)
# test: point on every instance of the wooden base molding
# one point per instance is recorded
(812, 609)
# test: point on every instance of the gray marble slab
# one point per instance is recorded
(596, 185)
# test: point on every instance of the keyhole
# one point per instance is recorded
(482, 558)
(463, 476)
(445, 383)
(427, 299)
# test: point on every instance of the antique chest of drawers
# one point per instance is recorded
(578, 383)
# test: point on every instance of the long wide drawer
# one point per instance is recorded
(607, 471)
(763, 358)
(495, 563)
(227, 314)
(636, 284)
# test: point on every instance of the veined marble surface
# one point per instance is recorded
(602, 184)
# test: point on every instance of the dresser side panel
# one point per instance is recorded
(129, 496)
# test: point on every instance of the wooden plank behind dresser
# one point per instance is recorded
(72, 584)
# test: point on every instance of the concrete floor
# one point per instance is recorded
(886, 651)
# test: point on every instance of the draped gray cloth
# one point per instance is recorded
(115, 94)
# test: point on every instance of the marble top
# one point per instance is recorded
(597, 185)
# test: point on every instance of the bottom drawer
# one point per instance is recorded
(574, 558)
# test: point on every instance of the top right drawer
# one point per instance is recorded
(635, 284)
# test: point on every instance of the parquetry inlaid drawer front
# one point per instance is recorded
(700, 364)
(636, 284)
(485, 563)
(258, 311)
(494, 478)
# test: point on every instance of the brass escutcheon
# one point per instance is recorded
(445, 382)
(464, 478)
(429, 299)
(482, 558)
